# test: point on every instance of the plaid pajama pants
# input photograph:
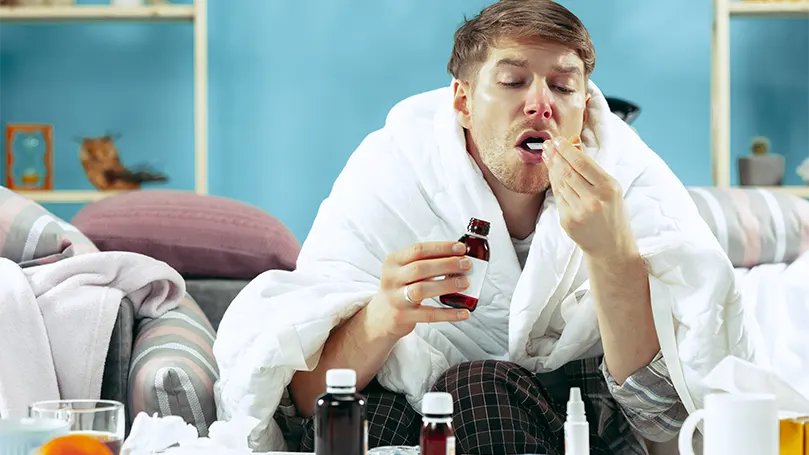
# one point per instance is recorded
(500, 408)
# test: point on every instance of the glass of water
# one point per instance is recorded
(103, 420)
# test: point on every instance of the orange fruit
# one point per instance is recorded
(74, 444)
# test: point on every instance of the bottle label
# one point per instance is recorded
(451, 445)
(366, 436)
(476, 277)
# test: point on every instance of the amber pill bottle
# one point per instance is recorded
(340, 421)
(437, 436)
(477, 250)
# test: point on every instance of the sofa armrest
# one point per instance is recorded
(119, 355)
(173, 368)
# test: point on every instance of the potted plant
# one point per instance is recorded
(761, 168)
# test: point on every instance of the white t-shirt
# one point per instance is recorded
(521, 247)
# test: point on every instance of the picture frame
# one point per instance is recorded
(29, 157)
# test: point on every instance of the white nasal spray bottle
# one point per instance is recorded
(577, 431)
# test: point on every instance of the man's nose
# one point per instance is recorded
(538, 104)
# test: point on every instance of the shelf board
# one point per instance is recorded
(64, 196)
(797, 190)
(97, 13)
(782, 8)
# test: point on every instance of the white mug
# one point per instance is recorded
(734, 423)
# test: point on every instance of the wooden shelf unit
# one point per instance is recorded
(65, 196)
(769, 9)
(99, 13)
(724, 10)
(197, 14)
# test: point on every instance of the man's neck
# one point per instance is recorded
(520, 210)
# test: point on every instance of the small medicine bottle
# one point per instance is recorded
(340, 421)
(477, 250)
(437, 437)
(576, 428)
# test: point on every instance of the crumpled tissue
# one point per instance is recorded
(170, 435)
(735, 375)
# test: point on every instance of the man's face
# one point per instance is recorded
(529, 89)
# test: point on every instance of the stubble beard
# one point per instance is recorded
(504, 165)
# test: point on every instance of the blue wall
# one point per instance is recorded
(295, 86)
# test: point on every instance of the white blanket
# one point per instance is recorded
(776, 296)
(413, 181)
(57, 320)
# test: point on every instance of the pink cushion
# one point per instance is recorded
(200, 236)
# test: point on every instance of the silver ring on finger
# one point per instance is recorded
(407, 294)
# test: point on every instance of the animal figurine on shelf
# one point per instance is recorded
(102, 164)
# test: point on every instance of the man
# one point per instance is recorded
(573, 279)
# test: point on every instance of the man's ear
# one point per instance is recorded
(461, 92)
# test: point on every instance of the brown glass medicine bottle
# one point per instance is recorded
(477, 250)
(340, 416)
(437, 436)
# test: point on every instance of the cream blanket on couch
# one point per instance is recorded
(413, 181)
(56, 321)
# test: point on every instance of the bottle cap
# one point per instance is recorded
(437, 403)
(341, 378)
(575, 407)
(478, 226)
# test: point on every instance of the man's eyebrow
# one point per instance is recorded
(522, 63)
(567, 69)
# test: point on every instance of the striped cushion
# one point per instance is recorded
(755, 226)
(31, 235)
(173, 368)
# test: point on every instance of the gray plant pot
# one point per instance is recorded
(762, 170)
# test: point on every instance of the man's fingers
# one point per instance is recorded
(433, 288)
(433, 314)
(410, 264)
(580, 162)
(564, 178)
(431, 268)
(561, 174)
(428, 250)
(571, 182)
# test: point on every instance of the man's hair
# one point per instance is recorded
(518, 19)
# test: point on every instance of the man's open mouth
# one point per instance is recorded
(533, 142)
(533, 145)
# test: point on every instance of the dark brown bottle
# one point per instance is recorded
(477, 250)
(340, 422)
(437, 436)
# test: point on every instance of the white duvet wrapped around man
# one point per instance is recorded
(602, 275)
